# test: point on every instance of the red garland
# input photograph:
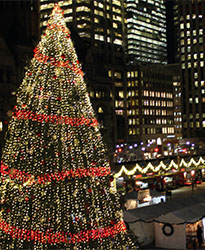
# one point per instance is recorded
(59, 237)
(67, 64)
(56, 119)
(56, 176)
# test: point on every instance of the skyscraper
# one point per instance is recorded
(146, 31)
(190, 26)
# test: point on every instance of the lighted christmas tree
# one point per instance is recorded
(55, 176)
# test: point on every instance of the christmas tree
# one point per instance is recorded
(55, 179)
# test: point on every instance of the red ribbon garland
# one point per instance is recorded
(59, 237)
(56, 119)
(56, 176)
(49, 59)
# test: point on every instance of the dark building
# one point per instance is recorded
(18, 29)
(190, 25)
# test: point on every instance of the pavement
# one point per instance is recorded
(180, 193)
(152, 247)
(188, 191)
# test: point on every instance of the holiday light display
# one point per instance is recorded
(55, 180)
(161, 167)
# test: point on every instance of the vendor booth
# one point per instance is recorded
(170, 225)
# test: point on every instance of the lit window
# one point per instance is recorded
(99, 37)
(181, 26)
(121, 94)
(1, 126)
(119, 112)
(100, 110)
(91, 94)
(83, 8)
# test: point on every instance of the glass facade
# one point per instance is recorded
(146, 31)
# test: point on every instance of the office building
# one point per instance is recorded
(177, 100)
(190, 25)
(150, 103)
(146, 31)
(149, 111)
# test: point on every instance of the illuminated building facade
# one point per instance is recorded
(145, 111)
(190, 25)
(150, 103)
(146, 31)
(177, 101)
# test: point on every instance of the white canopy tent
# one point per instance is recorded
(150, 223)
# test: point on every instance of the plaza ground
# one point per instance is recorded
(181, 193)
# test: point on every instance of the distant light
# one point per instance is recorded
(170, 136)
(1, 126)
(130, 147)
(192, 144)
(121, 145)
(168, 144)
(156, 150)
(143, 149)
(135, 145)
(141, 143)
(148, 145)
(188, 142)
(117, 146)
(120, 150)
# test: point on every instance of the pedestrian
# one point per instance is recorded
(199, 234)
(192, 185)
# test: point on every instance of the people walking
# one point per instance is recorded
(192, 185)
